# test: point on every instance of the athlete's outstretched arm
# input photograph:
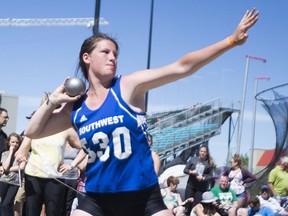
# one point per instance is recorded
(137, 84)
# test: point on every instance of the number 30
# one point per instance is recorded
(121, 145)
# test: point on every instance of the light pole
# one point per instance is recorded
(96, 17)
(254, 120)
(243, 98)
(149, 48)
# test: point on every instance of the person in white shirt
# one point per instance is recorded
(266, 200)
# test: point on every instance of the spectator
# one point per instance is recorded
(42, 179)
(69, 178)
(266, 200)
(257, 209)
(206, 206)
(9, 183)
(155, 156)
(80, 185)
(226, 197)
(3, 136)
(20, 196)
(200, 169)
(278, 181)
(239, 178)
(19, 200)
(42, 183)
(172, 199)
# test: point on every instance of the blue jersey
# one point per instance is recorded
(115, 137)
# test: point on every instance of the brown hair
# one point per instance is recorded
(254, 201)
(236, 157)
(209, 157)
(172, 179)
(13, 135)
(89, 45)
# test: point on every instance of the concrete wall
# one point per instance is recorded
(10, 102)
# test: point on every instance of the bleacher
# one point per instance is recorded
(179, 130)
(171, 136)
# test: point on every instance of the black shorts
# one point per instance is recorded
(135, 203)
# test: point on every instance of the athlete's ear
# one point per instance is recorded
(86, 58)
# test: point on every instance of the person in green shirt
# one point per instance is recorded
(278, 182)
(226, 197)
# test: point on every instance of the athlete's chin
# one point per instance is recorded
(110, 73)
(108, 76)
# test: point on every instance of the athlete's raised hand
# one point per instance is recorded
(240, 34)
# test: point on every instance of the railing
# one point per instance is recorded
(175, 132)
(184, 117)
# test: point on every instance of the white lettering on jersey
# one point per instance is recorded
(101, 123)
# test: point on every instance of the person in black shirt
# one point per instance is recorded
(200, 171)
(3, 136)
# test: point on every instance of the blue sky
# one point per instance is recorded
(37, 59)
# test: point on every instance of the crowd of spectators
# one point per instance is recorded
(48, 184)
(223, 197)
(228, 197)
